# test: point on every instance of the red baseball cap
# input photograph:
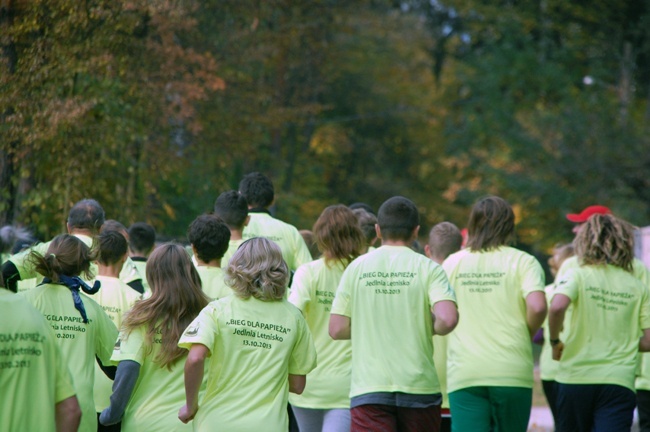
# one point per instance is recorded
(587, 213)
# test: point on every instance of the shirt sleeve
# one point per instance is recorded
(568, 285)
(644, 319)
(303, 355)
(301, 288)
(531, 276)
(130, 346)
(439, 287)
(203, 330)
(342, 304)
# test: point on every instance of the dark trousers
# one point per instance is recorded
(643, 406)
(550, 391)
(594, 408)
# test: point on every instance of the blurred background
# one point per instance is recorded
(155, 107)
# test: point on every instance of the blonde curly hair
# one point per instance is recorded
(606, 239)
(258, 270)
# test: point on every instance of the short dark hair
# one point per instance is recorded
(87, 214)
(142, 238)
(444, 239)
(210, 237)
(232, 208)
(257, 189)
(362, 206)
(397, 218)
(112, 246)
(113, 225)
(491, 224)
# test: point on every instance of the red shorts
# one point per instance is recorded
(387, 418)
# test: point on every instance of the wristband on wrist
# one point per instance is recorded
(554, 342)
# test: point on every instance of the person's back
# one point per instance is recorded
(84, 221)
(115, 297)
(389, 295)
(150, 365)
(259, 193)
(34, 377)
(259, 343)
(500, 294)
(82, 327)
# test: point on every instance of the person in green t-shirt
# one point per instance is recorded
(150, 364)
(84, 221)
(390, 302)
(444, 239)
(232, 208)
(83, 330)
(142, 239)
(116, 298)
(37, 391)
(325, 403)
(610, 310)
(209, 237)
(259, 343)
(500, 292)
(547, 366)
(260, 196)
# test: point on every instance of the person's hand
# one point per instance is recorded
(186, 414)
(557, 351)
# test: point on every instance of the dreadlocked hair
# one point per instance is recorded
(606, 239)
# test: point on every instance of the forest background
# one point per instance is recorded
(155, 107)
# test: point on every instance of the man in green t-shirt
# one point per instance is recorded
(389, 303)
(142, 239)
(260, 195)
(209, 238)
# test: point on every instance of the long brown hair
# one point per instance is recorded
(606, 239)
(338, 234)
(176, 299)
(66, 255)
(491, 224)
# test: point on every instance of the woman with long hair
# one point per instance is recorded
(150, 371)
(83, 330)
(259, 343)
(501, 302)
(610, 309)
(325, 403)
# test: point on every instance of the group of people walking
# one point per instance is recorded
(245, 330)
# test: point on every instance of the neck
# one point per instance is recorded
(82, 231)
(390, 242)
(235, 234)
(109, 270)
(213, 263)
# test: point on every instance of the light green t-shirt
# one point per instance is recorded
(491, 345)
(79, 342)
(294, 249)
(159, 392)
(33, 375)
(233, 245)
(313, 289)
(642, 273)
(610, 309)
(116, 298)
(213, 282)
(254, 346)
(388, 294)
(141, 266)
(130, 272)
